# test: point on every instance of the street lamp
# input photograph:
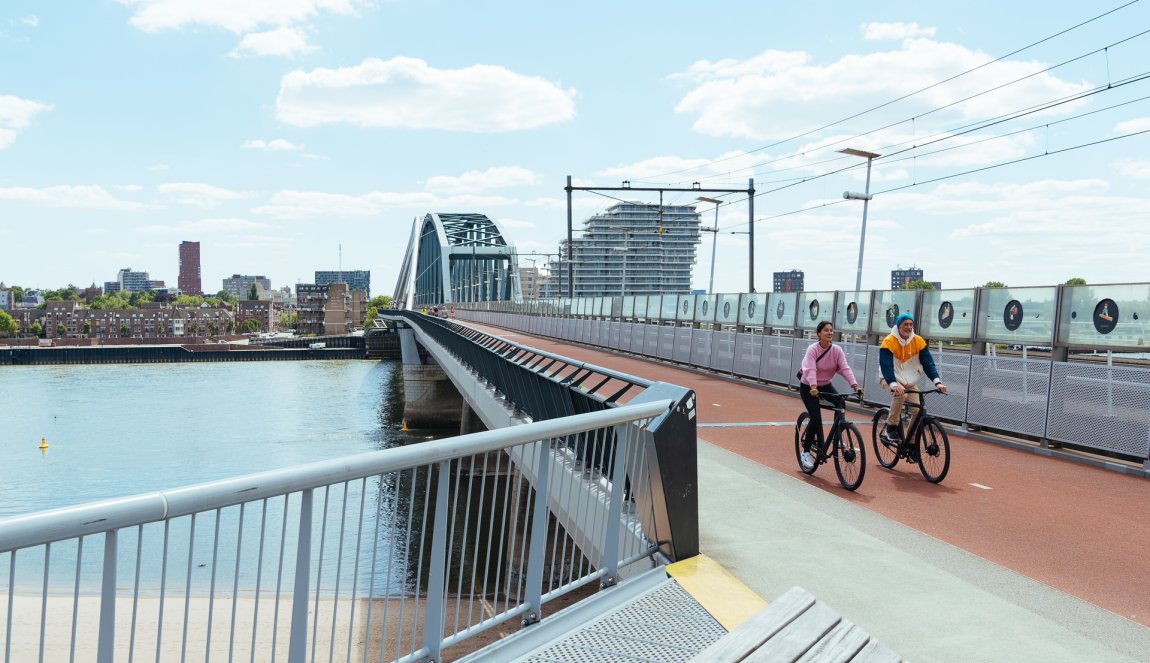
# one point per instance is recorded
(865, 197)
(714, 230)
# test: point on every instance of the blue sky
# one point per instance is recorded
(276, 132)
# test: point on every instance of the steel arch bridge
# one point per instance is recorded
(456, 258)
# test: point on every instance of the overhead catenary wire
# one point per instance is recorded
(902, 98)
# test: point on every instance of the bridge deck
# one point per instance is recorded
(1014, 557)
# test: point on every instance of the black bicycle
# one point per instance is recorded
(923, 442)
(843, 441)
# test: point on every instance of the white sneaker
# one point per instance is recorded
(807, 461)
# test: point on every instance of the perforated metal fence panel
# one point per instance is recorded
(1100, 408)
(651, 340)
(748, 354)
(626, 335)
(667, 341)
(723, 351)
(775, 365)
(874, 391)
(857, 359)
(682, 352)
(1009, 394)
(613, 334)
(701, 347)
(954, 369)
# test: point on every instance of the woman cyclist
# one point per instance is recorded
(822, 361)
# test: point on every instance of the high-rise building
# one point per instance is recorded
(189, 279)
(791, 281)
(240, 285)
(131, 281)
(356, 279)
(632, 249)
(899, 277)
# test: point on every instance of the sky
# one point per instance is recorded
(289, 136)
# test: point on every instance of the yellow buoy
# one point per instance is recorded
(43, 443)
(404, 429)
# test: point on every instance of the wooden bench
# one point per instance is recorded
(797, 627)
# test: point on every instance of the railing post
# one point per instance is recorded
(437, 573)
(537, 550)
(297, 643)
(106, 649)
(623, 434)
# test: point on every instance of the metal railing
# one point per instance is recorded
(390, 555)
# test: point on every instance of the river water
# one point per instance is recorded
(118, 430)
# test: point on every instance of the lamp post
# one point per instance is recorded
(714, 230)
(865, 197)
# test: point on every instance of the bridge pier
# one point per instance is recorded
(430, 399)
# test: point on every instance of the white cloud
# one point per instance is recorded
(159, 168)
(77, 197)
(283, 41)
(1133, 126)
(30, 20)
(407, 93)
(761, 100)
(886, 31)
(205, 226)
(1135, 169)
(16, 114)
(197, 194)
(275, 145)
(290, 204)
(231, 15)
(474, 181)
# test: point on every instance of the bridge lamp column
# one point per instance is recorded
(714, 230)
(622, 282)
(865, 197)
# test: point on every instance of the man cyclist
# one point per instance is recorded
(904, 358)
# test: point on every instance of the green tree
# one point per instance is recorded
(8, 326)
(225, 296)
(125, 330)
(194, 328)
(189, 300)
(1077, 280)
(212, 328)
(61, 330)
(18, 293)
(36, 329)
(918, 284)
(253, 293)
(231, 326)
(87, 328)
(250, 326)
(994, 284)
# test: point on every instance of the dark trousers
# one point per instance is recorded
(815, 429)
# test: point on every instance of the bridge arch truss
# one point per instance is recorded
(457, 257)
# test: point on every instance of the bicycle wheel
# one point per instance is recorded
(934, 452)
(887, 454)
(800, 431)
(850, 457)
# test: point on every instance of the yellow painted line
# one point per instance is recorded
(723, 595)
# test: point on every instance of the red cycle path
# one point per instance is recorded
(1077, 528)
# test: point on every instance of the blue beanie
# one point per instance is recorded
(901, 317)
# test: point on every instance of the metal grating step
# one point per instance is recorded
(664, 625)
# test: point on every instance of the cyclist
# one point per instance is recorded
(822, 361)
(903, 359)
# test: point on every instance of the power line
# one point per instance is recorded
(904, 97)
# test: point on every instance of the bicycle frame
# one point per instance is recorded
(913, 433)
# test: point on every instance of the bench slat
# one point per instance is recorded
(839, 646)
(876, 652)
(756, 630)
(796, 638)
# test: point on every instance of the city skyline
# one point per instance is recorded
(289, 138)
